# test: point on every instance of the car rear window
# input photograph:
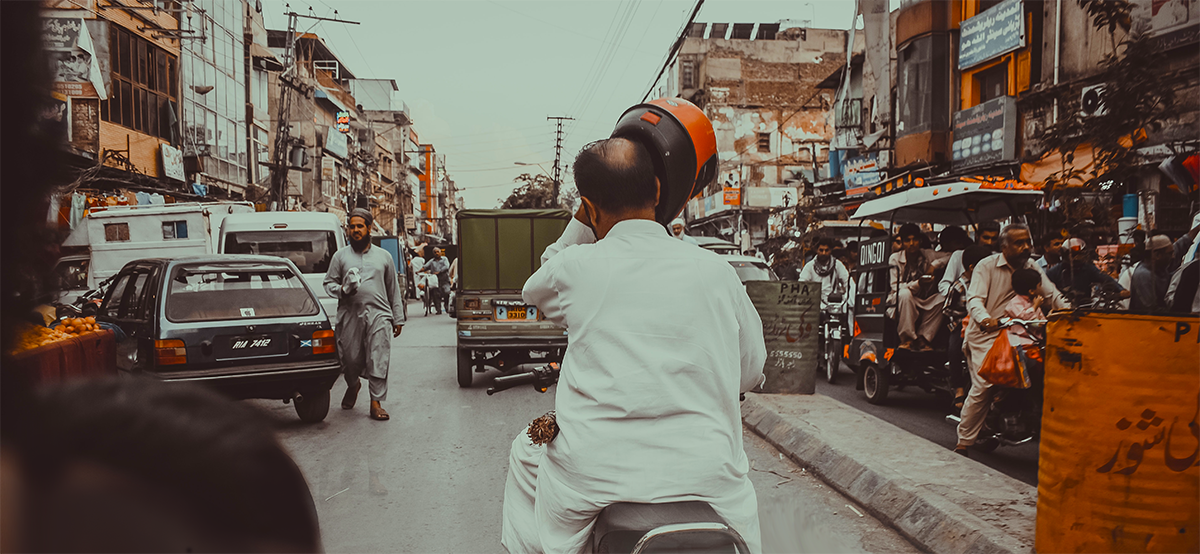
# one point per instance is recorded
(235, 292)
(311, 251)
(753, 271)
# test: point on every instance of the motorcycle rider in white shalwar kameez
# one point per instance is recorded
(663, 339)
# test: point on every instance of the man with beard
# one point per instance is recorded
(363, 279)
(1052, 251)
(677, 230)
(987, 296)
(824, 269)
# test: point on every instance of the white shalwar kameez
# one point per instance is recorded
(663, 338)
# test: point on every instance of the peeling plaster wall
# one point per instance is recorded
(750, 87)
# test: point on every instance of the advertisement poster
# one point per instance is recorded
(985, 133)
(77, 51)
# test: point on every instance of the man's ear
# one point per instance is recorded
(657, 191)
(590, 212)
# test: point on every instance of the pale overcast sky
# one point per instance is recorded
(480, 77)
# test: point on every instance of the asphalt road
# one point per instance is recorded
(432, 478)
(924, 415)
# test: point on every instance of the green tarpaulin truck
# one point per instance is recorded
(499, 250)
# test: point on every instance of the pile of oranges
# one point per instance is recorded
(78, 325)
(33, 336)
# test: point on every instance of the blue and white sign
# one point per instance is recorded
(998, 30)
(862, 170)
(985, 133)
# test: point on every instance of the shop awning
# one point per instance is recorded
(325, 94)
(264, 58)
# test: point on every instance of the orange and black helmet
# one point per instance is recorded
(681, 142)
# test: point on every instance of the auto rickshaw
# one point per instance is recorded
(873, 351)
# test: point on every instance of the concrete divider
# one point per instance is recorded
(941, 501)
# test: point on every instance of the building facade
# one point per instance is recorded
(758, 86)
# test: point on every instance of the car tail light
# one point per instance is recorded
(323, 342)
(170, 352)
(471, 304)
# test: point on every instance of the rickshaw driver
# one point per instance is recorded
(918, 304)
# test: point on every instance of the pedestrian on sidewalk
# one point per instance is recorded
(646, 405)
(363, 279)
(987, 297)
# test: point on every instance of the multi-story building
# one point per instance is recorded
(323, 122)
(115, 70)
(758, 85)
(388, 120)
(995, 89)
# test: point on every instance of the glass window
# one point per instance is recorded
(311, 251)
(125, 297)
(923, 86)
(174, 230)
(992, 82)
(237, 291)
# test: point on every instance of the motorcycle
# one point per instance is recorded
(1015, 416)
(635, 528)
(833, 327)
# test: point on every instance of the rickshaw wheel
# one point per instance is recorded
(875, 384)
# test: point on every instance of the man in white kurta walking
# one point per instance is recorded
(663, 339)
(370, 312)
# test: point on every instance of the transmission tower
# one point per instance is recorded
(558, 153)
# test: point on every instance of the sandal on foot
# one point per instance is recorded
(962, 451)
(377, 412)
(351, 396)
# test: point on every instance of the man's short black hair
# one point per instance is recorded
(184, 440)
(953, 238)
(910, 230)
(826, 241)
(973, 254)
(1051, 236)
(1025, 280)
(988, 227)
(616, 174)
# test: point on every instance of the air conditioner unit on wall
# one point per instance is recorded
(1091, 101)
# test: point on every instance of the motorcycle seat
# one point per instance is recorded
(620, 526)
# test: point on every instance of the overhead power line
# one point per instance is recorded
(675, 48)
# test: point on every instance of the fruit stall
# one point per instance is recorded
(75, 348)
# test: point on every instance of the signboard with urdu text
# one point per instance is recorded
(998, 30)
(790, 312)
(985, 133)
(172, 162)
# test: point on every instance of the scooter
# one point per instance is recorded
(1015, 416)
(636, 528)
(833, 325)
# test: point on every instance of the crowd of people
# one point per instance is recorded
(947, 280)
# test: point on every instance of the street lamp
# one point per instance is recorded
(539, 166)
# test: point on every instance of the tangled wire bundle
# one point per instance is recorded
(543, 429)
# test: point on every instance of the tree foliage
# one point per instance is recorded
(1135, 103)
(537, 192)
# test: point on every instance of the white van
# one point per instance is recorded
(308, 239)
(110, 237)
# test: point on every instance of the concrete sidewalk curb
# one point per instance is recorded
(941, 501)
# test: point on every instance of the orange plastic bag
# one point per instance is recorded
(1002, 366)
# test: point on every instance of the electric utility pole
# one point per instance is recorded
(558, 153)
(288, 80)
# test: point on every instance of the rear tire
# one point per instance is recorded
(875, 384)
(466, 369)
(312, 407)
(833, 359)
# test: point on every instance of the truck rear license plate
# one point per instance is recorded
(515, 313)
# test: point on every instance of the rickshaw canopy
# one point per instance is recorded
(957, 203)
